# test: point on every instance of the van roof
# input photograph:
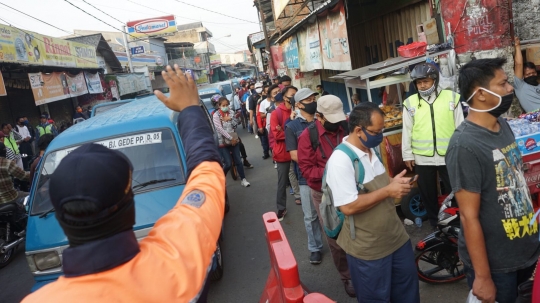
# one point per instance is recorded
(141, 114)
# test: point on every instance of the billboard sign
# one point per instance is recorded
(153, 27)
(137, 50)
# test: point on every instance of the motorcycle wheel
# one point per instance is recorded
(6, 257)
(439, 267)
(412, 206)
(217, 273)
(234, 172)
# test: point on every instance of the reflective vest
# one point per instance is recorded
(44, 130)
(10, 143)
(433, 124)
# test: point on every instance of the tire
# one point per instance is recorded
(412, 206)
(425, 259)
(234, 171)
(6, 257)
(217, 273)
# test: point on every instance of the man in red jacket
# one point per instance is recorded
(282, 157)
(330, 130)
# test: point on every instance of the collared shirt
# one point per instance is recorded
(311, 161)
(406, 136)
(9, 169)
(23, 131)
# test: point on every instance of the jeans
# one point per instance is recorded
(283, 177)
(264, 141)
(311, 220)
(338, 254)
(390, 279)
(225, 153)
(506, 283)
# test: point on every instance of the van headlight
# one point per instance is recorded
(43, 261)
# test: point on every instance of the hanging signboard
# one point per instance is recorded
(152, 27)
(57, 52)
(48, 87)
(334, 40)
(93, 82)
(77, 84)
(137, 50)
(85, 55)
(2, 86)
(131, 83)
(290, 49)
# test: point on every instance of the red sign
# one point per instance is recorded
(152, 27)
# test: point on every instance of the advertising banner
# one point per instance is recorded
(7, 44)
(290, 49)
(153, 27)
(77, 84)
(313, 44)
(131, 83)
(93, 82)
(334, 40)
(85, 55)
(57, 52)
(277, 57)
(215, 60)
(48, 87)
(2, 86)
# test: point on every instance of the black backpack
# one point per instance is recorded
(314, 136)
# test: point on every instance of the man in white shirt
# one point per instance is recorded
(266, 106)
(26, 145)
(429, 120)
(380, 255)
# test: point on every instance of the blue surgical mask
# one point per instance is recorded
(372, 141)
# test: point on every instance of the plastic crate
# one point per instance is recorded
(412, 50)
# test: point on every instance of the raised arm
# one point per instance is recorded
(518, 59)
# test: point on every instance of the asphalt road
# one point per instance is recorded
(245, 252)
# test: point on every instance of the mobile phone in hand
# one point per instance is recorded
(413, 179)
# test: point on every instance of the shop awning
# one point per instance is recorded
(309, 18)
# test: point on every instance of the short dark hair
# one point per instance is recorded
(222, 99)
(478, 73)
(319, 86)
(44, 141)
(285, 79)
(286, 89)
(530, 65)
(272, 87)
(265, 86)
(361, 115)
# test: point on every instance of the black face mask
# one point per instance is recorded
(331, 127)
(310, 108)
(531, 80)
(506, 103)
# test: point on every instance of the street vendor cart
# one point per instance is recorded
(390, 149)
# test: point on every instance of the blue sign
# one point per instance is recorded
(137, 50)
(291, 53)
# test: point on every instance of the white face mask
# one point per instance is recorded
(484, 110)
(258, 90)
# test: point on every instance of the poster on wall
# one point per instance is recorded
(93, 83)
(89, 100)
(334, 40)
(309, 48)
(131, 83)
(48, 87)
(77, 84)
(2, 86)
(290, 51)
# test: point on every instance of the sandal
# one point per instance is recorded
(298, 201)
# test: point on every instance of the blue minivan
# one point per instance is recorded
(146, 132)
(207, 91)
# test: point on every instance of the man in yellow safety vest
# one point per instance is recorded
(45, 128)
(429, 120)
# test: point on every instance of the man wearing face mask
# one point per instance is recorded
(497, 244)
(315, 145)
(252, 105)
(305, 115)
(525, 81)
(429, 120)
(380, 255)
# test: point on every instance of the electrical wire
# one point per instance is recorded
(35, 18)
(121, 22)
(205, 9)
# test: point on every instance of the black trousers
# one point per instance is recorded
(427, 184)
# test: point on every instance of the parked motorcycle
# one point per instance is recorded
(437, 259)
(12, 229)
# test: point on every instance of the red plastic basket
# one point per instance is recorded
(412, 50)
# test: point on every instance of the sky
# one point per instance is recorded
(68, 18)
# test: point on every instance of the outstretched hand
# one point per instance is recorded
(183, 90)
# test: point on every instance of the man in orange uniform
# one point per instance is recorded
(104, 262)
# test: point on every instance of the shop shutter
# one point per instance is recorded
(61, 112)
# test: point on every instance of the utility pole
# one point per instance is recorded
(208, 55)
(269, 54)
(128, 51)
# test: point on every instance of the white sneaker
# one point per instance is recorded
(245, 183)
(256, 136)
(275, 165)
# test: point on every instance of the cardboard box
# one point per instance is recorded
(529, 144)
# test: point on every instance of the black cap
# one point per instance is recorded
(92, 173)
(43, 116)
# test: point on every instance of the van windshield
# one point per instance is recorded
(153, 154)
(227, 89)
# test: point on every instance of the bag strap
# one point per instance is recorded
(314, 139)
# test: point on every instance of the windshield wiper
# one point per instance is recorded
(151, 182)
(47, 212)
